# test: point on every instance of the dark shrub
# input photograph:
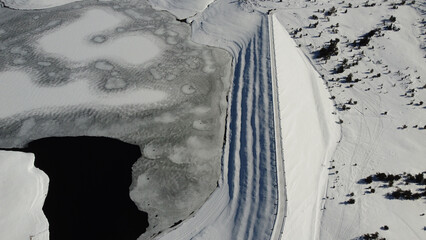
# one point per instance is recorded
(331, 11)
(368, 179)
(329, 50)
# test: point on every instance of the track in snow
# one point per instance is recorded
(245, 205)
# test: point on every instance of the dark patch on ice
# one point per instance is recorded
(176, 223)
(88, 194)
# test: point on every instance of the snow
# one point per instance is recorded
(133, 49)
(181, 8)
(23, 190)
(323, 160)
(18, 94)
(309, 132)
(313, 141)
(171, 103)
(370, 141)
(35, 4)
(243, 207)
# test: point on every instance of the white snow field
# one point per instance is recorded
(373, 138)
(310, 135)
(23, 189)
(18, 94)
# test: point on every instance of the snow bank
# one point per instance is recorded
(18, 94)
(23, 190)
(309, 133)
(181, 8)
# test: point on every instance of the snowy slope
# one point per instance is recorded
(23, 190)
(309, 133)
(372, 138)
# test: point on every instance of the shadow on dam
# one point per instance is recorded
(88, 195)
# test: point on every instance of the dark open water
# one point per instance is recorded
(88, 194)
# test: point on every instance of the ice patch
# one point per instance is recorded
(132, 49)
(44, 64)
(19, 61)
(201, 125)
(151, 151)
(115, 83)
(171, 40)
(188, 89)
(200, 110)
(179, 155)
(103, 65)
(18, 50)
(35, 4)
(166, 118)
(18, 94)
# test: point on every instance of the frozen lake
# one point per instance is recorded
(89, 187)
(125, 71)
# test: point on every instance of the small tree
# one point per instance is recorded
(331, 11)
(349, 77)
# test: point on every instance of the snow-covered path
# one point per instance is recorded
(245, 205)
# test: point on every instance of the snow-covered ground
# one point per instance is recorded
(309, 132)
(372, 138)
(23, 189)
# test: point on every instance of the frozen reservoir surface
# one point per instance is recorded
(133, 49)
(124, 71)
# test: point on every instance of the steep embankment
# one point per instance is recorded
(244, 205)
(309, 133)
